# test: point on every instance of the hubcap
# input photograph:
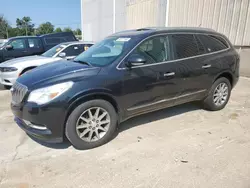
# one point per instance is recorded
(93, 124)
(220, 94)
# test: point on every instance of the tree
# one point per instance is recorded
(78, 32)
(58, 30)
(45, 28)
(25, 26)
(67, 29)
(4, 26)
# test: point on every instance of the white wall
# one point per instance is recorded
(97, 19)
(231, 17)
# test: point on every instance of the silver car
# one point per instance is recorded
(10, 70)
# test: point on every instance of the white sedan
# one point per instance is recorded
(10, 70)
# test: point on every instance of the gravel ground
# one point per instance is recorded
(182, 146)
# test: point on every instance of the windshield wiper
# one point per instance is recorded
(82, 62)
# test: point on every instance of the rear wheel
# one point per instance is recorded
(91, 124)
(219, 95)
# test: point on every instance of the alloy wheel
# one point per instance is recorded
(220, 94)
(93, 124)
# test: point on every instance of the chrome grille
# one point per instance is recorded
(18, 92)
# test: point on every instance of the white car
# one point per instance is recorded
(10, 70)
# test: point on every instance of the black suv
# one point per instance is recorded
(126, 74)
(32, 45)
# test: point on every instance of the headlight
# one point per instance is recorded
(8, 69)
(47, 94)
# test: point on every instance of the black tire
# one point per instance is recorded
(209, 103)
(71, 132)
(7, 87)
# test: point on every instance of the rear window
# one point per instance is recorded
(185, 45)
(213, 43)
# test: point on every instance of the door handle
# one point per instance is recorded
(169, 74)
(206, 66)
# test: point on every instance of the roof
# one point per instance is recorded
(18, 37)
(159, 30)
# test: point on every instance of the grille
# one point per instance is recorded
(18, 92)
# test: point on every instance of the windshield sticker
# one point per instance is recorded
(123, 39)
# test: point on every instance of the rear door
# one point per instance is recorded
(19, 49)
(35, 46)
(187, 54)
(216, 59)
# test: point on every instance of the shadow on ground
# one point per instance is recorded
(64, 145)
(134, 122)
(158, 115)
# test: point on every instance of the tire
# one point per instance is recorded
(74, 121)
(7, 87)
(209, 103)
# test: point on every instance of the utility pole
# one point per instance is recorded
(26, 29)
(7, 33)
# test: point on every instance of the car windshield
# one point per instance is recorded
(2, 43)
(51, 52)
(105, 52)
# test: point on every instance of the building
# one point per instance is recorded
(101, 18)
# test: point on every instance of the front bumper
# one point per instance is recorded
(49, 117)
(8, 78)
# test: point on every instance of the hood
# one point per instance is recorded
(59, 71)
(30, 60)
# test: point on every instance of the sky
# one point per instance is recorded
(61, 13)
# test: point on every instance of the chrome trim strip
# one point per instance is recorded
(171, 61)
(164, 100)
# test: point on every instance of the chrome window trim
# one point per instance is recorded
(171, 61)
(164, 100)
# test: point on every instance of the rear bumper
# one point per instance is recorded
(235, 81)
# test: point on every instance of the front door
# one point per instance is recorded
(153, 85)
(19, 49)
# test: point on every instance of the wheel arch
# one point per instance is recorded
(91, 96)
(226, 74)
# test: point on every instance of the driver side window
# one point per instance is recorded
(154, 50)
(18, 44)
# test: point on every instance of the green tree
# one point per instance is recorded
(45, 28)
(78, 32)
(25, 26)
(67, 29)
(58, 30)
(4, 27)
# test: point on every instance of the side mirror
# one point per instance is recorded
(8, 47)
(62, 55)
(135, 60)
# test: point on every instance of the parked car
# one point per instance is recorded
(32, 45)
(125, 75)
(12, 69)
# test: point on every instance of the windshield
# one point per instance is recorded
(2, 43)
(105, 52)
(51, 52)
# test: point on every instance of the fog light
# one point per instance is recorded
(39, 127)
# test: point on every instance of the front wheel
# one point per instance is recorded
(91, 124)
(219, 95)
